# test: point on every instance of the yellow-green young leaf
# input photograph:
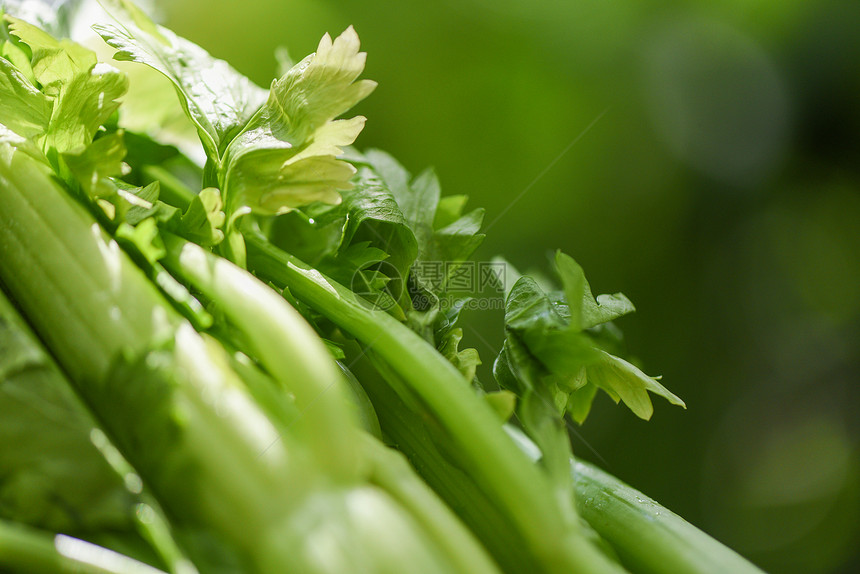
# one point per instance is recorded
(314, 179)
(143, 200)
(204, 219)
(579, 402)
(145, 239)
(330, 137)
(11, 50)
(466, 360)
(23, 109)
(319, 88)
(92, 166)
(86, 103)
(622, 380)
(21, 143)
(449, 210)
(84, 91)
(55, 62)
(285, 157)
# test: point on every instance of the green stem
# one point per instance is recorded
(648, 537)
(25, 549)
(391, 472)
(511, 481)
(285, 344)
(64, 270)
(40, 412)
(407, 428)
(164, 393)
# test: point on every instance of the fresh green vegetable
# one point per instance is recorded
(179, 411)
(647, 536)
(60, 471)
(236, 325)
(24, 549)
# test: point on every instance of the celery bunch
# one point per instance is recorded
(233, 328)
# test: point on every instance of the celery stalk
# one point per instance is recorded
(648, 537)
(514, 484)
(25, 549)
(283, 342)
(171, 406)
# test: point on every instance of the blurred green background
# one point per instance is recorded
(702, 157)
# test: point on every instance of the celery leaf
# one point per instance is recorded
(218, 99)
(557, 345)
(285, 157)
(84, 91)
(23, 109)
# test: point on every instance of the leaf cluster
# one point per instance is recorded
(246, 318)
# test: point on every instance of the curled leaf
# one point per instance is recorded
(286, 157)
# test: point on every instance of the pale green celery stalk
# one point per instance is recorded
(279, 406)
(284, 343)
(648, 537)
(25, 549)
(291, 351)
(86, 299)
(43, 398)
(391, 472)
(209, 454)
(485, 452)
(406, 428)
